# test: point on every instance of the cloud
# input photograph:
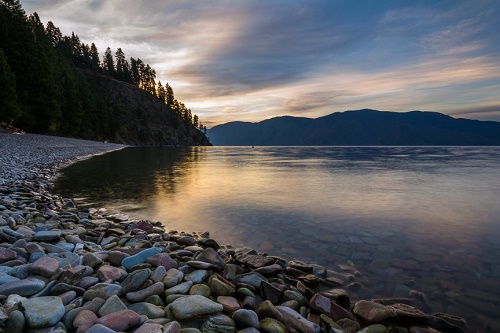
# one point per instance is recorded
(251, 60)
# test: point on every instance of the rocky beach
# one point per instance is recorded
(65, 268)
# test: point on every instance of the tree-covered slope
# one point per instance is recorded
(55, 84)
(362, 127)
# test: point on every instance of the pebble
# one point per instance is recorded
(42, 311)
(193, 306)
(140, 257)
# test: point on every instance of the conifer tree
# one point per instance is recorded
(108, 63)
(95, 63)
(8, 96)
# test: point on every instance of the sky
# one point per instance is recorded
(250, 60)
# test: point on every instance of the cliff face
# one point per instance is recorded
(140, 118)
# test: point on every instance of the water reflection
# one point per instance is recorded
(128, 179)
(398, 214)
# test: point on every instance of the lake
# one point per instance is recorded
(407, 218)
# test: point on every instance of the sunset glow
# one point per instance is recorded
(252, 60)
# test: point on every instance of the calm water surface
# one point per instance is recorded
(408, 218)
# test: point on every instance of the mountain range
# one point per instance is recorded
(360, 128)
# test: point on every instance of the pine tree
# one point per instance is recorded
(170, 95)
(108, 63)
(121, 68)
(54, 33)
(162, 94)
(95, 63)
(9, 110)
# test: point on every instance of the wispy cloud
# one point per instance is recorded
(251, 60)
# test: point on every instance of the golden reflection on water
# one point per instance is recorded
(434, 209)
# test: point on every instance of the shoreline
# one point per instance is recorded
(110, 274)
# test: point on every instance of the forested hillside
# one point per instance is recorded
(360, 128)
(55, 84)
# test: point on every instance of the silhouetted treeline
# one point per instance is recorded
(43, 90)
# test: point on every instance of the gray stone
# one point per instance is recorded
(149, 328)
(102, 290)
(372, 312)
(246, 318)
(134, 280)
(147, 309)
(141, 295)
(173, 277)
(218, 323)
(197, 276)
(190, 307)
(292, 319)
(182, 288)
(112, 304)
(46, 236)
(16, 322)
(26, 287)
(211, 257)
(42, 311)
(140, 257)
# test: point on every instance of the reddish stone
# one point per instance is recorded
(334, 311)
(45, 266)
(120, 321)
(7, 254)
(162, 259)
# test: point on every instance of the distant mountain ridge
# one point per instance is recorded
(360, 128)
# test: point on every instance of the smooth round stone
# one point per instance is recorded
(193, 248)
(162, 259)
(209, 255)
(112, 304)
(84, 320)
(271, 325)
(116, 257)
(7, 255)
(246, 318)
(110, 273)
(26, 287)
(42, 311)
(296, 321)
(87, 281)
(219, 288)
(200, 289)
(44, 266)
(182, 288)
(158, 274)
(47, 236)
(4, 278)
(120, 321)
(90, 259)
(290, 295)
(195, 306)
(16, 322)
(230, 304)
(67, 297)
(140, 257)
(102, 290)
(98, 328)
(141, 295)
(197, 276)
(147, 309)
(173, 277)
(218, 323)
(245, 292)
(199, 264)
(134, 280)
(372, 312)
